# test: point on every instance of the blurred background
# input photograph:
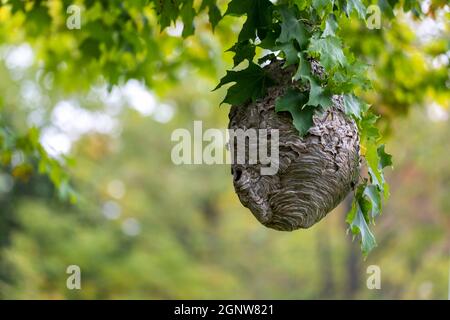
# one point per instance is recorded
(86, 176)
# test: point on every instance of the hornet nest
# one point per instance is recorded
(316, 171)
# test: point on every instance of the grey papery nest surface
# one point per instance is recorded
(316, 171)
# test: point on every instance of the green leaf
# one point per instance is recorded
(329, 50)
(213, 12)
(323, 7)
(187, 13)
(302, 4)
(294, 103)
(250, 83)
(167, 11)
(368, 132)
(375, 155)
(352, 76)
(330, 27)
(318, 95)
(372, 160)
(412, 5)
(304, 68)
(290, 53)
(243, 50)
(385, 158)
(386, 8)
(259, 17)
(291, 27)
(354, 106)
(269, 41)
(356, 218)
(374, 195)
(357, 6)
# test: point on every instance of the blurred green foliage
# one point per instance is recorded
(144, 228)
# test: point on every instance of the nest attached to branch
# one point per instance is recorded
(316, 171)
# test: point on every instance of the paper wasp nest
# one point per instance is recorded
(315, 172)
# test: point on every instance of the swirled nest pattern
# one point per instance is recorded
(316, 171)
